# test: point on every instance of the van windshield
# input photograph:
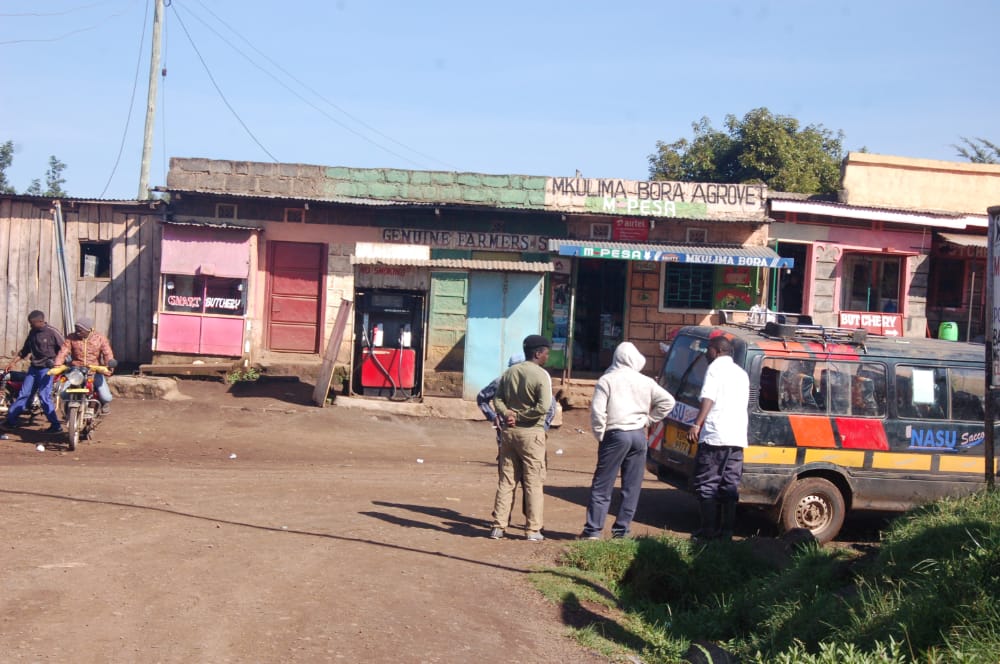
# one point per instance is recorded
(684, 372)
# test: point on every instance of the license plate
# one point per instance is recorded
(676, 439)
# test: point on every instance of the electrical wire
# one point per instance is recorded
(131, 103)
(218, 89)
(62, 13)
(65, 34)
(316, 93)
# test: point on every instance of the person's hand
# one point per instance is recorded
(693, 432)
(511, 418)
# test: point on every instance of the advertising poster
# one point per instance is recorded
(733, 288)
(560, 319)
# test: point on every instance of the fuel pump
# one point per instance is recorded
(388, 336)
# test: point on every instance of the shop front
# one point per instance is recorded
(439, 326)
(204, 273)
(643, 291)
(958, 285)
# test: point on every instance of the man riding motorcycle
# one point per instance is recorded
(85, 347)
(42, 344)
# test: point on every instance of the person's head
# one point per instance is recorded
(84, 325)
(627, 355)
(36, 319)
(516, 358)
(536, 349)
(718, 345)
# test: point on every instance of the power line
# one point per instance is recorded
(62, 13)
(317, 94)
(62, 36)
(218, 89)
(299, 96)
(131, 103)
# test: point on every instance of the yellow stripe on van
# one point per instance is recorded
(961, 464)
(840, 457)
(772, 455)
(901, 461)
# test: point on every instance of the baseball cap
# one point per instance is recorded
(533, 341)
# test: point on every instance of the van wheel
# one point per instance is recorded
(815, 504)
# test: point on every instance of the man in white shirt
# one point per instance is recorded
(721, 433)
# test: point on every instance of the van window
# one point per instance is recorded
(968, 395)
(922, 392)
(684, 373)
(857, 389)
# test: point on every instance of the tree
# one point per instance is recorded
(979, 151)
(6, 159)
(760, 147)
(54, 179)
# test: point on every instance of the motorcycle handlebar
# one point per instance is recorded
(96, 368)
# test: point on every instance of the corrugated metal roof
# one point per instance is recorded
(212, 222)
(979, 241)
(457, 264)
(874, 213)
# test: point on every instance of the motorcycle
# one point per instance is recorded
(10, 387)
(79, 402)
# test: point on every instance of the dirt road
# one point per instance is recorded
(333, 535)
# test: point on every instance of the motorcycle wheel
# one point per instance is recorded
(73, 427)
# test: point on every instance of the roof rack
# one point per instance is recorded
(824, 335)
(757, 316)
(789, 326)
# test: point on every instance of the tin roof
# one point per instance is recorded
(457, 264)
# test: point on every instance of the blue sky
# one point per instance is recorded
(528, 87)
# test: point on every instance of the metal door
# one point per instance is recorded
(294, 296)
(504, 308)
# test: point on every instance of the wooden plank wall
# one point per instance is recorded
(122, 306)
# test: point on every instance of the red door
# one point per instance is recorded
(295, 296)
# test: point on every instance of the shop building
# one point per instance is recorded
(446, 272)
(898, 252)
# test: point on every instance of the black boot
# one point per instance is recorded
(708, 509)
(728, 510)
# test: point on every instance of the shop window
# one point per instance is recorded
(872, 282)
(95, 260)
(709, 286)
(204, 295)
(688, 286)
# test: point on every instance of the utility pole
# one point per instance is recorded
(154, 72)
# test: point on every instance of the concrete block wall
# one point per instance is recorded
(339, 285)
(330, 183)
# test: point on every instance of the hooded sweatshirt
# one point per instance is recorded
(624, 399)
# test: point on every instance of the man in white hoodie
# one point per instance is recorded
(625, 402)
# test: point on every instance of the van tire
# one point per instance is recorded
(816, 505)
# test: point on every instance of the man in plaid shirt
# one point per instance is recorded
(86, 347)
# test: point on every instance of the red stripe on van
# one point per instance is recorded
(812, 431)
(861, 434)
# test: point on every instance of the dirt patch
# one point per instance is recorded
(244, 524)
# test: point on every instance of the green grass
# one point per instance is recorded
(929, 593)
